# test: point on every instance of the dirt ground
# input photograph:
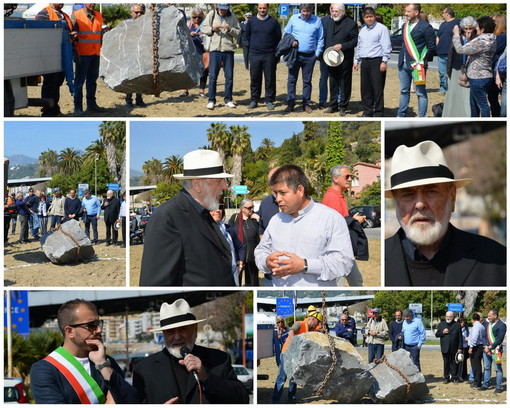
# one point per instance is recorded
(27, 265)
(432, 369)
(169, 104)
(371, 269)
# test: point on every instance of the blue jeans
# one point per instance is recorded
(87, 71)
(305, 62)
(215, 60)
(415, 354)
(503, 100)
(375, 351)
(487, 363)
(442, 60)
(91, 219)
(405, 77)
(33, 222)
(280, 383)
(478, 97)
(56, 220)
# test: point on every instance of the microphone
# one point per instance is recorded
(184, 352)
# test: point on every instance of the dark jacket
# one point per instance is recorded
(239, 247)
(184, 248)
(49, 386)
(451, 341)
(111, 211)
(286, 49)
(268, 208)
(343, 32)
(473, 260)
(394, 331)
(72, 206)
(250, 232)
(359, 239)
(423, 36)
(499, 330)
(159, 377)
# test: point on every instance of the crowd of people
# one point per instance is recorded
(471, 55)
(35, 210)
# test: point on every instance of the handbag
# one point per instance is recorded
(463, 78)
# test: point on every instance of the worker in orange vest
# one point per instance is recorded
(52, 82)
(89, 25)
(311, 323)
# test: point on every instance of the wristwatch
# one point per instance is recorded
(104, 364)
(305, 268)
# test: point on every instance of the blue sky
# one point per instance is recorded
(31, 138)
(163, 139)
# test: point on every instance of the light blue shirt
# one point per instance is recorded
(92, 205)
(309, 33)
(318, 234)
(414, 332)
(477, 334)
(373, 41)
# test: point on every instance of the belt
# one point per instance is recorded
(307, 53)
(410, 345)
(372, 58)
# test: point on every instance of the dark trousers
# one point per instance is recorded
(476, 363)
(372, 87)
(111, 233)
(340, 84)
(56, 220)
(246, 56)
(123, 227)
(51, 89)
(415, 354)
(251, 274)
(305, 62)
(493, 97)
(87, 72)
(23, 228)
(7, 223)
(203, 79)
(138, 97)
(216, 58)
(263, 64)
(91, 219)
(450, 366)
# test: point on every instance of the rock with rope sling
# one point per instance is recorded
(397, 380)
(309, 362)
(151, 54)
(67, 244)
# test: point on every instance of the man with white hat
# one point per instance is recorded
(450, 335)
(427, 250)
(340, 36)
(183, 245)
(184, 373)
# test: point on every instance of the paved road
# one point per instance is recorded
(373, 233)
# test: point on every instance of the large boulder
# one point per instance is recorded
(308, 359)
(68, 244)
(390, 387)
(126, 55)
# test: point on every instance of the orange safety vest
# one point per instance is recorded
(10, 202)
(53, 16)
(303, 328)
(89, 33)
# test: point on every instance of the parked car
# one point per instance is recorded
(244, 375)
(372, 212)
(397, 41)
(14, 391)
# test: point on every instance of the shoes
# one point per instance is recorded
(210, 105)
(270, 106)
(184, 94)
(289, 108)
(482, 388)
(331, 109)
(78, 112)
(95, 108)
(129, 103)
(141, 104)
(252, 105)
(95, 242)
(123, 245)
(307, 109)
(202, 95)
(37, 237)
(342, 112)
(366, 115)
(321, 105)
(446, 381)
(455, 381)
(498, 390)
(108, 243)
(230, 104)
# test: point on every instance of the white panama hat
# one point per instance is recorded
(332, 57)
(202, 164)
(420, 165)
(177, 314)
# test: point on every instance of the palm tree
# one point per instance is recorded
(153, 170)
(113, 135)
(69, 161)
(172, 165)
(240, 142)
(48, 163)
(94, 151)
(220, 139)
(265, 148)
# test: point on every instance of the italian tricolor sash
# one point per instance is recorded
(417, 63)
(82, 382)
(496, 353)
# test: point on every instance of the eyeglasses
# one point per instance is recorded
(138, 12)
(196, 17)
(249, 208)
(90, 326)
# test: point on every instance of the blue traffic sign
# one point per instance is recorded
(114, 186)
(284, 307)
(455, 307)
(283, 9)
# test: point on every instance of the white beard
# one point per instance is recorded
(209, 201)
(176, 351)
(336, 19)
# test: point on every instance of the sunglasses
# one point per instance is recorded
(138, 12)
(249, 208)
(196, 17)
(90, 326)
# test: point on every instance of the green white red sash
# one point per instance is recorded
(84, 385)
(496, 353)
(417, 62)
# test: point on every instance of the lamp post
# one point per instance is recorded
(95, 174)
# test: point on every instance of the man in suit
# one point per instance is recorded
(450, 335)
(183, 372)
(340, 33)
(427, 250)
(420, 33)
(80, 372)
(183, 245)
(111, 207)
(493, 351)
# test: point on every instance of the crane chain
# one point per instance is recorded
(397, 370)
(76, 242)
(155, 49)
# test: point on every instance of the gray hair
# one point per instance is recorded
(335, 170)
(197, 11)
(468, 22)
(245, 201)
(306, 6)
(339, 5)
(186, 184)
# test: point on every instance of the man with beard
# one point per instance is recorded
(80, 372)
(111, 207)
(183, 245)
(427, 250)
(183, 372)
(450, 333)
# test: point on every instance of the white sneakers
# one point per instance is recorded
(230, 104)
(210, 105)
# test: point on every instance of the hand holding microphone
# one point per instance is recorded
(192, 364)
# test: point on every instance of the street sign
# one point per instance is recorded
(114, 186)
(416, 307)
(241, 192)
(239, 187)
(284, 307)
(283, 10)
(455, 307)
(19, 312)
(283, 17)
(82, 188)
